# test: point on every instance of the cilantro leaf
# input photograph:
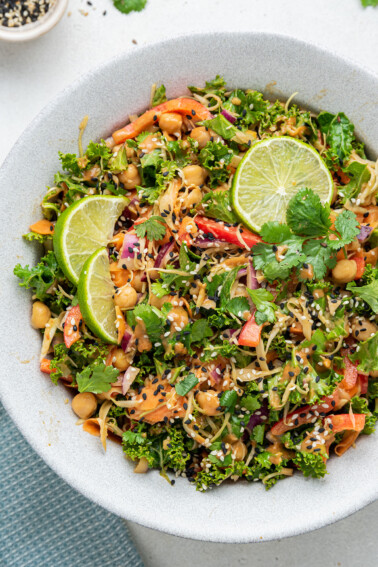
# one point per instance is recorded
(237, 306)
(264, 258)
(265, 308)
(368, 293)
(217, 205)
(366, 3)
(339, 133)
(159, 95)
(127, 6)
(319, 256)
(251, 403)
(275, 232)
(198, 331)
(152, 228)
(306, 216)
(184, 386)
(96, 378)
(347, 226)
(258, 433)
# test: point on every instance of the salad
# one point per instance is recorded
(208, 288)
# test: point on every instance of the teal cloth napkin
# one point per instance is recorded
(44, 522)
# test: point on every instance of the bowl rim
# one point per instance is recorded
(35, 29)
(151, 521)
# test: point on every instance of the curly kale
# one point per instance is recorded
(310, 464)
(165, 449)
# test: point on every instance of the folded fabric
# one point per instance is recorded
(44, 522)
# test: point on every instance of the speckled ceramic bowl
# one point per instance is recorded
(232, 513)
(35, 29)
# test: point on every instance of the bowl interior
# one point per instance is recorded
(238, 512)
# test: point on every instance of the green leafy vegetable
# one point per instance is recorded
(215, 157)
(265, 308)
(368, 293)
(306, 216)
(96, 378)
(119, 162)
(221, 126)
(217, 205)
(339, 133)
(367, 355)
(228, 400)
(127, 6)
(159, 95)
(153, 228)
(358, 174)
(184, 386)
(310, 464)
(41, 277)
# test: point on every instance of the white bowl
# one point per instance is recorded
(35, 29)
(238, 512)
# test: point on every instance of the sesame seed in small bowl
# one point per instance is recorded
(23, 20)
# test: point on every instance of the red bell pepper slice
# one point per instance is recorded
(306, 414)
(345, 421)
(72, 324)
(363, 380)
(350, 375)
(45, 366)
(250, 333)
(191, 108)
(360, 266)
(227, 233)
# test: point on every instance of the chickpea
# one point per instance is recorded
(178, 317)
(363, 329)
(120, 359)
(200, 135)
(40, 315)
(126, 297)
(194, 175)
(84, 405)
(136, 281)
(239, 451)
(144, 342)
(130, 152)
(374, 374)
(318, 293)
(208, 402)
(194, 197)
(130, 177)
(180, 349)
(171, 122)
(345, 271)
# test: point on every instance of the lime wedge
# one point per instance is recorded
(84, 227)
(270, 173)
(95, 293)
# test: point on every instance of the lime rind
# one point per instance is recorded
(95, 293)
(271, 173)
(83, 228)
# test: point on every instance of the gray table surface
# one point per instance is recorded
(31, 75)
